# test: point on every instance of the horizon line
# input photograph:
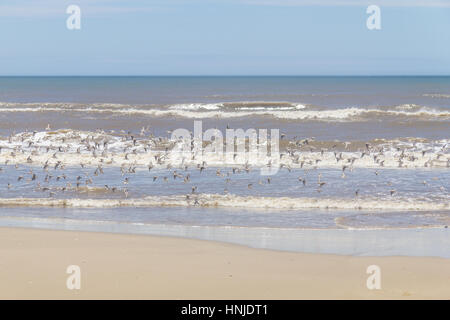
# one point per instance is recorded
(224, 75)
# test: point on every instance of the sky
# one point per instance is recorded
(225, 37)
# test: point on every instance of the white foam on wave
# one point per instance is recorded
(407, 107)
(437, 95)
(250, 202)
(73, 147)
(197, 106)
(288, 111)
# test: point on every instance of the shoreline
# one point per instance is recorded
(418, 242)
(33, 266)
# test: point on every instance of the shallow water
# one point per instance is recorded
(370, 154)
(399, 242)
(421, 195)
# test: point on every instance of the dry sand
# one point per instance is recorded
(33, 265)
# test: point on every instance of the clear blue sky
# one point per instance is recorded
(225, 37)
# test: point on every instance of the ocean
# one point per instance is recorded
(364, 161)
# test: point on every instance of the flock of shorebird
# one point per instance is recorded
(57, 154)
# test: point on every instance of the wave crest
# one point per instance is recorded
(280, 110)
(217, 200)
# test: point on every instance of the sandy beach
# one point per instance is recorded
(224, 150)
(33, 265)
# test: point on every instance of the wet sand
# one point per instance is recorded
(33, 265)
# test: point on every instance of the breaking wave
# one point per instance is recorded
(250, 202)
(437, 95)
(72, 147)
(280, 110)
